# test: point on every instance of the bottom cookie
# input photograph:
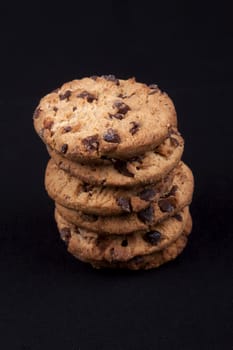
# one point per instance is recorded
(144, 261)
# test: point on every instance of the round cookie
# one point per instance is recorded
(179, 197)
(73, 193)
(89, 245)
(153, 260)
(95, 117)
(144, 169)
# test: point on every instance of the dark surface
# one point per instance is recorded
(48, 300)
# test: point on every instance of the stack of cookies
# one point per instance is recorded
(121, 191)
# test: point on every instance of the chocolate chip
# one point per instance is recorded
(111, 136)
(173, 131)
(87, 95)
(87, 187)
(122, 107)
(177, 217)
(172, 191)
(65, 96)
(94, 77)
(167, 204)
(152, 237)
(116, 116)
(124, 203)
(48, 124)
(121, 167)
(91, 143)
(104, 158)
(146, 215)
(89, 218)
(64, 148)
(65, 234)
(135, 128)
(36, 113)
(138, 159)
(147, 194)
(112, 78)
(67, 128)
(112, 253)
(137, 259)
(174, 142)
(74, 108)
(153, 86)
(124, 243)
(55, 109)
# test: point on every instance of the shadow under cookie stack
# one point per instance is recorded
(121, 191)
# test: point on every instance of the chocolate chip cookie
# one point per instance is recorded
(147, 168)
(89, 119)
(152, 260)
(179, 196)
(85, 244)
(73, 193)
(121, 191)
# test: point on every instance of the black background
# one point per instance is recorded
(48, 300)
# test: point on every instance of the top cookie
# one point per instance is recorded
(93, 118)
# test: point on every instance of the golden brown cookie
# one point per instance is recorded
(89, 246)
(153, 260)
(73, 193)
(147, 168)
(144, 220)
(91, 118)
